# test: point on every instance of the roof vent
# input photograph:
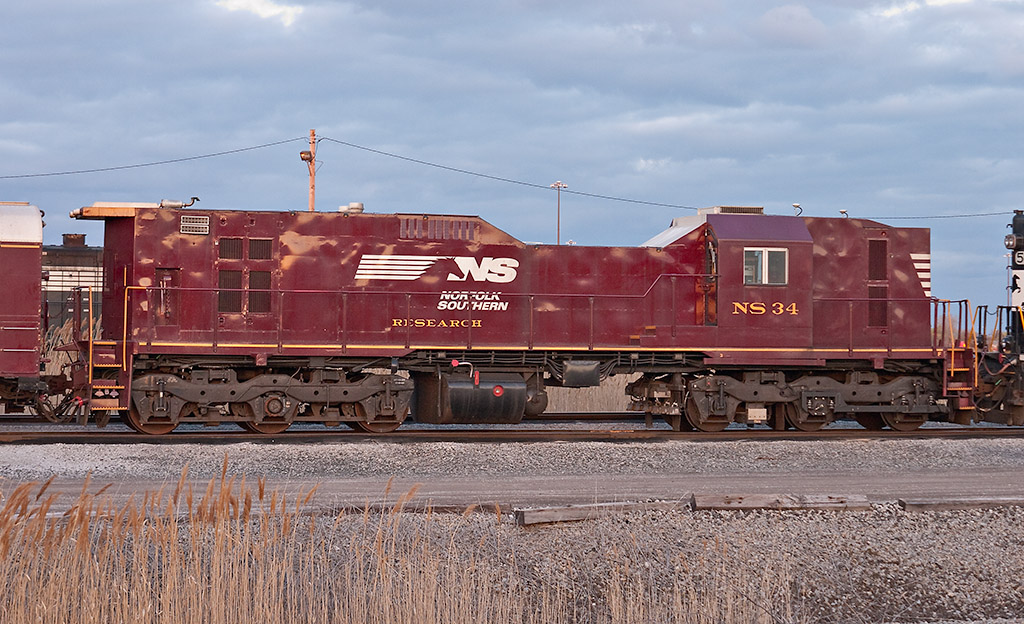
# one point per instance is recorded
(732, 210)
(352, 208)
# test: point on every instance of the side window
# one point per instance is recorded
(765, 266)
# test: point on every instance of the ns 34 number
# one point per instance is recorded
(757, 308)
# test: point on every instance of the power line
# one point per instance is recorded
(149, 164)
(543, 187)
(955, 216)
(430, 164)
(427, 163)
(546, 187)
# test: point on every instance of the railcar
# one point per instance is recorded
(268, 318)
(21, 313)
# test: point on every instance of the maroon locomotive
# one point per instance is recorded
(270, 318)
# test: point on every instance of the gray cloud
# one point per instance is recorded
(791, 25)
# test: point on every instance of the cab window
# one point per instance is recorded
(765, 266)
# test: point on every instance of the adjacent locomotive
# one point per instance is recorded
(270, 318)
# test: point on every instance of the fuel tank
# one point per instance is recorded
(442, 398)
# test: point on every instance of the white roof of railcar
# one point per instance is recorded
(20, 223)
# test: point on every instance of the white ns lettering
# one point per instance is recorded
(496, 270)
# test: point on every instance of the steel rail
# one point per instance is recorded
(478, 435)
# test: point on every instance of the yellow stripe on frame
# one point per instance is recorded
(450, 347)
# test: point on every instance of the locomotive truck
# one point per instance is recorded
(269, 318)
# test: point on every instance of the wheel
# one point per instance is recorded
(872, 421)
(904, 422)
(153, 427)
(802, 420)
(374, 427)
(893, 421)
(694, 418)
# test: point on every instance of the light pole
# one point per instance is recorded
(310, 158)
(558, 186)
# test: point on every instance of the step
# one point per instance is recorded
(105, 404)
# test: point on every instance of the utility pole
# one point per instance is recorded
(558, 186)
(310, 158)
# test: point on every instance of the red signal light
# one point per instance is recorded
(498, 391)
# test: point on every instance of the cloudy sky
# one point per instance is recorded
(897, 109)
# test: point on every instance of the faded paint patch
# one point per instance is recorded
(296, 246)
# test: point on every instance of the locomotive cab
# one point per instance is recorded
(765, 288)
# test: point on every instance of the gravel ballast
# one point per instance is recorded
(440, 459)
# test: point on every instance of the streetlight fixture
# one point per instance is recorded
(558, 186)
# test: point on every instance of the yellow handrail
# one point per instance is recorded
(91, 330)
(124, 332)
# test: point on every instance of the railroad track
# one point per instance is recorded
(412, 433)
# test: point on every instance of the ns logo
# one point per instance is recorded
(495, 270)
(392, 267)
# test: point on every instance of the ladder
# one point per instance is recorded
(103, 379)
(107, 376)
(959, 358)
(960, 378)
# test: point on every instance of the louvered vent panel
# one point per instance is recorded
(195, 224)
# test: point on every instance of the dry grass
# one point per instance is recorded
(237, 553)
(610, 396)
(57, 361)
